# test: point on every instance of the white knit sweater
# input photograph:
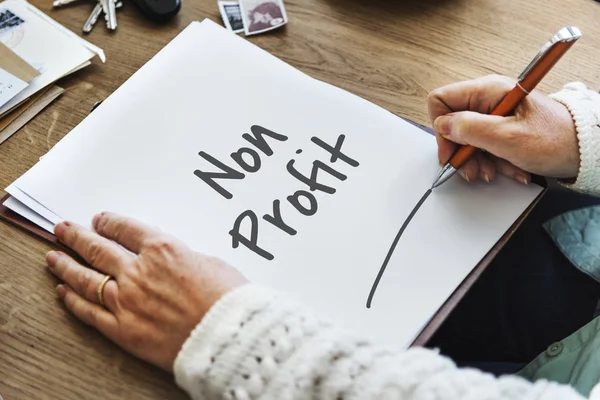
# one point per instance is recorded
(257, 344)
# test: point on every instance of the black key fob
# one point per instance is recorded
(159, 10)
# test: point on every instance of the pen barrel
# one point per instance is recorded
(461, 156)
(509, 102)
(545, 64)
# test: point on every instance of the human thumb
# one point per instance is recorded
(479, 130)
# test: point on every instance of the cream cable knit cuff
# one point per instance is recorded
(256, 344)
(584, 106)
(219, 326)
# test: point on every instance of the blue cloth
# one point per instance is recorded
(577, 235)
(573, 361)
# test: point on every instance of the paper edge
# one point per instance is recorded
(91, 47)
(43, 101)
(13, 204)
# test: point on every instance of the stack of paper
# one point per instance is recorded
(15, 74)
(35, 52)
(299, 184)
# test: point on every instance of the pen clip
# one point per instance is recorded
(566, 34)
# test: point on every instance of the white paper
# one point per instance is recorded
(137, 152)
(42, 39)
(33, 205)
(93, 48)
(10, 86)
(20, 208)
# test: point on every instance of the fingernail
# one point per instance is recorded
(61, 290)
(486, 177)
(443, 124)
(59, 229)
(51, 258)
(523, 179)
(95, 220)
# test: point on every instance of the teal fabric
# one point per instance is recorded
(577, 234)
(575, 360)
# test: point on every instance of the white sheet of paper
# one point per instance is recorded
(137, 152)
(21, 209)
(41, 38)
(32, 204)
(10, 86)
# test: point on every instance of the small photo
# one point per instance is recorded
(264, 16)
(235, 17)
(8, 21)
(232, 15)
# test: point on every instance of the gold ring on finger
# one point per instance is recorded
(101, 289)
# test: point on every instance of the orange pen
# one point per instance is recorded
(542, 63)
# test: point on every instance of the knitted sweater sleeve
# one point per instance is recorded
(257, 344)
(584, 106)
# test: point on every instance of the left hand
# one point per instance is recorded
(159, 292)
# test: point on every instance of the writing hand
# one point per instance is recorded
(539, 138)
(160, 291)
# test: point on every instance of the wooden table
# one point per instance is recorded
(390, 52)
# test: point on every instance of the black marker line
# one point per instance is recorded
(391, 251)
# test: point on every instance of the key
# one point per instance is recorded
(60, 3)
(104, 5)
(111, 16)
(91, 21)
(93, 18)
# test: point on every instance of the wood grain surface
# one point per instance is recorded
(390, 52)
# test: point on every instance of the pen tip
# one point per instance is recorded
(445, 173)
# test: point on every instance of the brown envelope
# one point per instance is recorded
(22, 114)
(14, 113)
(15, 65)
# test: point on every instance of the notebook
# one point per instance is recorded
(300, 185)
